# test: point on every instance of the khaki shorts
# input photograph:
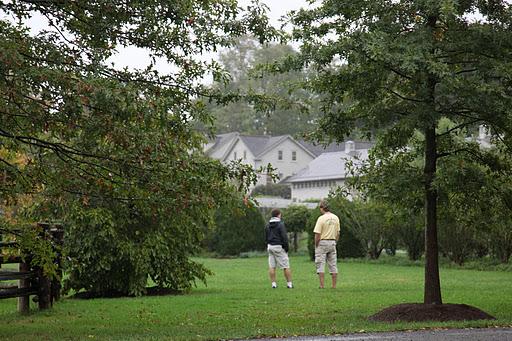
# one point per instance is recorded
(277, 256)
(326, 251)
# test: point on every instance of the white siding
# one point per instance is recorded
(313, 190)
(286, 167)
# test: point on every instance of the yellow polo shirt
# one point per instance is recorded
(328, 225)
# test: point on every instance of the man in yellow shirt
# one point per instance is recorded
(327, 233)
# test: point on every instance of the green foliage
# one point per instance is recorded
(114, 154)
(271, 189)
(296, 218)
(239, 227)
(367, 221)
(408, 226)
(35, 246)
(267, 103)
(469, 226)
(111, 255)
(500, 240)
(396, 68)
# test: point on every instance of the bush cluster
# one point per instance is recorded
(274, 190)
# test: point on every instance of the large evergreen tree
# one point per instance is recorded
(405, 65)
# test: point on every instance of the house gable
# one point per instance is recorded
(239, 150)
(277, 141)
(285, 155)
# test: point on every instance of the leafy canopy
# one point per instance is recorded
(114, 152)
(393, 68)
(267, 103)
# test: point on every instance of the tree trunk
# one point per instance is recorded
(432, 293)
(295, 241)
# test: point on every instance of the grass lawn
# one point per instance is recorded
(239, 303)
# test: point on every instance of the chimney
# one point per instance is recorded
(482, 132)
(350, 147)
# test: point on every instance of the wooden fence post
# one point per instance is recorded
(43, 293)
(23, 301)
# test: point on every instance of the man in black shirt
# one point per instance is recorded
(277, 246)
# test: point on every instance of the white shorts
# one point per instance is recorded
(277, 256)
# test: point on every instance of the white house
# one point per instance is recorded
(326, 172)
(284, 153)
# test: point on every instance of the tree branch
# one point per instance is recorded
(466, 71)
(403, 97)
(458, 127)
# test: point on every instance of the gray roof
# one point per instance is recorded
(272, 202)
(318, 149)
(256, 144)
(328, 166)
(220, 141)
(225, 138)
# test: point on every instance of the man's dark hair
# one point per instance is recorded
(324, 205)
(275, 212)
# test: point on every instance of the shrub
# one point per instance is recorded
(111, 255)
(367, 221)
(408, 226)
(238, 228)
(296, 219)
(276, 190)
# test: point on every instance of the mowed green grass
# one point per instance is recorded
(239, 303)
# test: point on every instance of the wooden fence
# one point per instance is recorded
(31, 279)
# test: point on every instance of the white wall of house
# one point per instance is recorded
(284, 162)
(316, 190)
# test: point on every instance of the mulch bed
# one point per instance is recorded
(415, 312)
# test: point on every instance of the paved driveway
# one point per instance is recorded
(483, 334)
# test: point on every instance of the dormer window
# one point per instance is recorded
(280, 155)
(294, 156)
(245, 154)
